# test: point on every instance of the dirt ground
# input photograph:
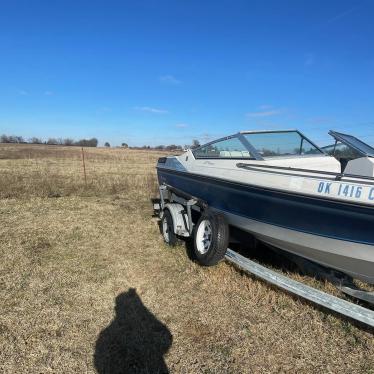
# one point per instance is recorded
(87, 284)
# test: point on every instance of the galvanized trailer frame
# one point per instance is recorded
(180, 205)
(318, 297)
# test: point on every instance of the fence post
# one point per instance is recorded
(84, 168)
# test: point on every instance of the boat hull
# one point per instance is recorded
(336, 234)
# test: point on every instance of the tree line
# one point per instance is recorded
(93, 142)
(170, 147)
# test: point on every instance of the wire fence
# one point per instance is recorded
(59, 171)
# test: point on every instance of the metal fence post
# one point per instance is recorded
(84, 168)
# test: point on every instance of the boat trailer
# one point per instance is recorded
(181, 205)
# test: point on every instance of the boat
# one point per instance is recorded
(287, 192)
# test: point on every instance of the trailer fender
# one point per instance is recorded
(180, 218)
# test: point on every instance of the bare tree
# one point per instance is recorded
(87, 142)
(11, 139)
(52, 141)
(68, 141)
(35, 140)
(195, 144)
(4, 139)
(173, 147)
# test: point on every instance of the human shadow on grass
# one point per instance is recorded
(134, 342)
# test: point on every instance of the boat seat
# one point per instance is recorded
(225, 154)
(234, 154)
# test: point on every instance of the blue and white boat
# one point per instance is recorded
(287, 192)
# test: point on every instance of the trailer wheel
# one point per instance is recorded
(211, 237)
(167, 227)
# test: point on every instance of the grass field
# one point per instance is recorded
(86, 283)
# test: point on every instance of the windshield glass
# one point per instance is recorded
(341, 150)
(285, 143)
(351, 141)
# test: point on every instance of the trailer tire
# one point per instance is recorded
(211, 238)
(167, 227)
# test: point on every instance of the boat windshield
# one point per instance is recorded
(340, 150)
(281, 143)
(356, 146)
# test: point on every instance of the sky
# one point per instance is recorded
(165, 72)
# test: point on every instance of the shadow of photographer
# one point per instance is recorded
(134, 342)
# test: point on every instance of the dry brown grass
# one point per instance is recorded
(64, 261)
(55, 171)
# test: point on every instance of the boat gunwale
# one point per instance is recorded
(338, 176)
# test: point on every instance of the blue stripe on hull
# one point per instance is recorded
(321, 217)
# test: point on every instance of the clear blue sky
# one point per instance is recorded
(161, 72)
